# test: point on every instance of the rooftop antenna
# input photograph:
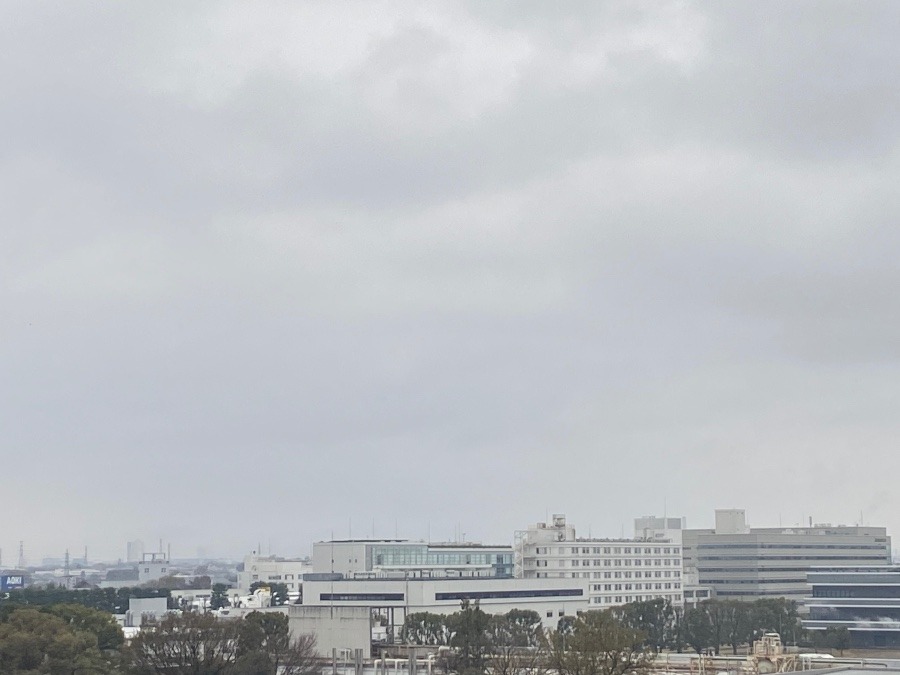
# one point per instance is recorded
(373, 527)
(350, 529)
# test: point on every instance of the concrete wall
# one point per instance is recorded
(341, 628)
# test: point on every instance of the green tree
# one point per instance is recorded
(112, 600)
(566, 625)
(777, 615)
(219, 597)
(425, 628)
(696, 629)
(738, 623)
(468, 636)
(837, 638)
(600, 645)
(101, 624)
(654, 618)
(37, 642)
(516, 628)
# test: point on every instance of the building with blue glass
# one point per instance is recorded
(374, 558)
(863, 599)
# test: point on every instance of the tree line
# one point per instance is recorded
(593, 643)
(656, 624)
(77, 640)
(111, 600)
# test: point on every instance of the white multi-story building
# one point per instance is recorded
(616, 571)
(153, 567)
(373, 558)
(272, 569)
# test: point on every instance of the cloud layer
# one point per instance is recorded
(270, 273)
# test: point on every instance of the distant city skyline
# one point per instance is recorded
(289, 548)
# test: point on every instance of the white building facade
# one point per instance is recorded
(615, 571)
(272, 569)
(550, 598)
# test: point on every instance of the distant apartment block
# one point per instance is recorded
(743, 563)
(364, 558)
(614, 571)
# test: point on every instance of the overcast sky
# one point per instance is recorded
(274, 270)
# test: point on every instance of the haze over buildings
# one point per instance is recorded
(308, 271)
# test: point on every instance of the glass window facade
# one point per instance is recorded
(424, 556)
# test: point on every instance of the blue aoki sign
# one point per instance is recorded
(11, 581)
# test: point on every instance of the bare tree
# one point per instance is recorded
(201, 644)
(183, 644)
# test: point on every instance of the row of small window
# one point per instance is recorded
(605, 575)
(637, 575)
(596, 575)
(635, 587)
(627, 562)
(619, 599)
(610, 550)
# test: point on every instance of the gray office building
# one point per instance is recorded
(865, 600)
(742, 563)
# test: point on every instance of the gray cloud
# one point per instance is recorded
(266, 272)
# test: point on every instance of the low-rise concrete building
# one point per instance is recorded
(396, 598)
(342, 629)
